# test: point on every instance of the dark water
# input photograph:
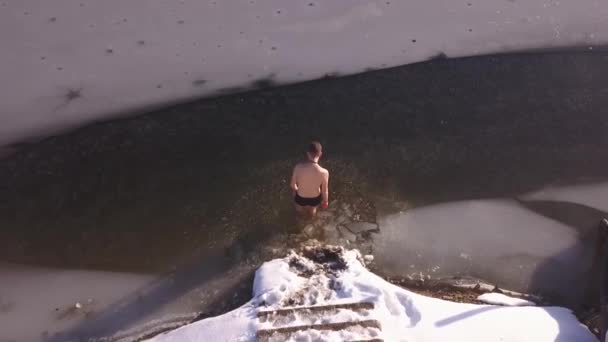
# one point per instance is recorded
(204, 185)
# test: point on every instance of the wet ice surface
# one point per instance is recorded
(55, 305)
(593, 195)
(497, 240)
(68, 62)
(36, 303)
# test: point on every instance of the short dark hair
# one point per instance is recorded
(315, 148)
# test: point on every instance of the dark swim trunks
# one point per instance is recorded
(310, 202)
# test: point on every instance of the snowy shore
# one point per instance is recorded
(66, 63)
(329, 295)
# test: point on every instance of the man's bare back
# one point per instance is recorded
(310, 182)
(310, 179)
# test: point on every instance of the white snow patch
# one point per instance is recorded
(501, 299)
(272, 281)
(181, 50)
(235, 326)
(403, 315)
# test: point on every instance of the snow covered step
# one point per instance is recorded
(315, 315)
(319, 308)
(267, 334)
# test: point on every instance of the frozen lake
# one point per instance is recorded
(492, 167)
(69, 62)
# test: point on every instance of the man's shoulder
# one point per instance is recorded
(324, 171)
(299, 167)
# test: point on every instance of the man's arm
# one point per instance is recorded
(325, 189)
(293, 184)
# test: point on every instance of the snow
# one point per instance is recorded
(237, 325)
(273, 280)
(403, 315)
(501, 299)
(134, 55)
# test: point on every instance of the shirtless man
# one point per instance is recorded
(309, 183)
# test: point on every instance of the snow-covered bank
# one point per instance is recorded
(66, 63)
(326, 290)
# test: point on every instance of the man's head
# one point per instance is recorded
(315, 150)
